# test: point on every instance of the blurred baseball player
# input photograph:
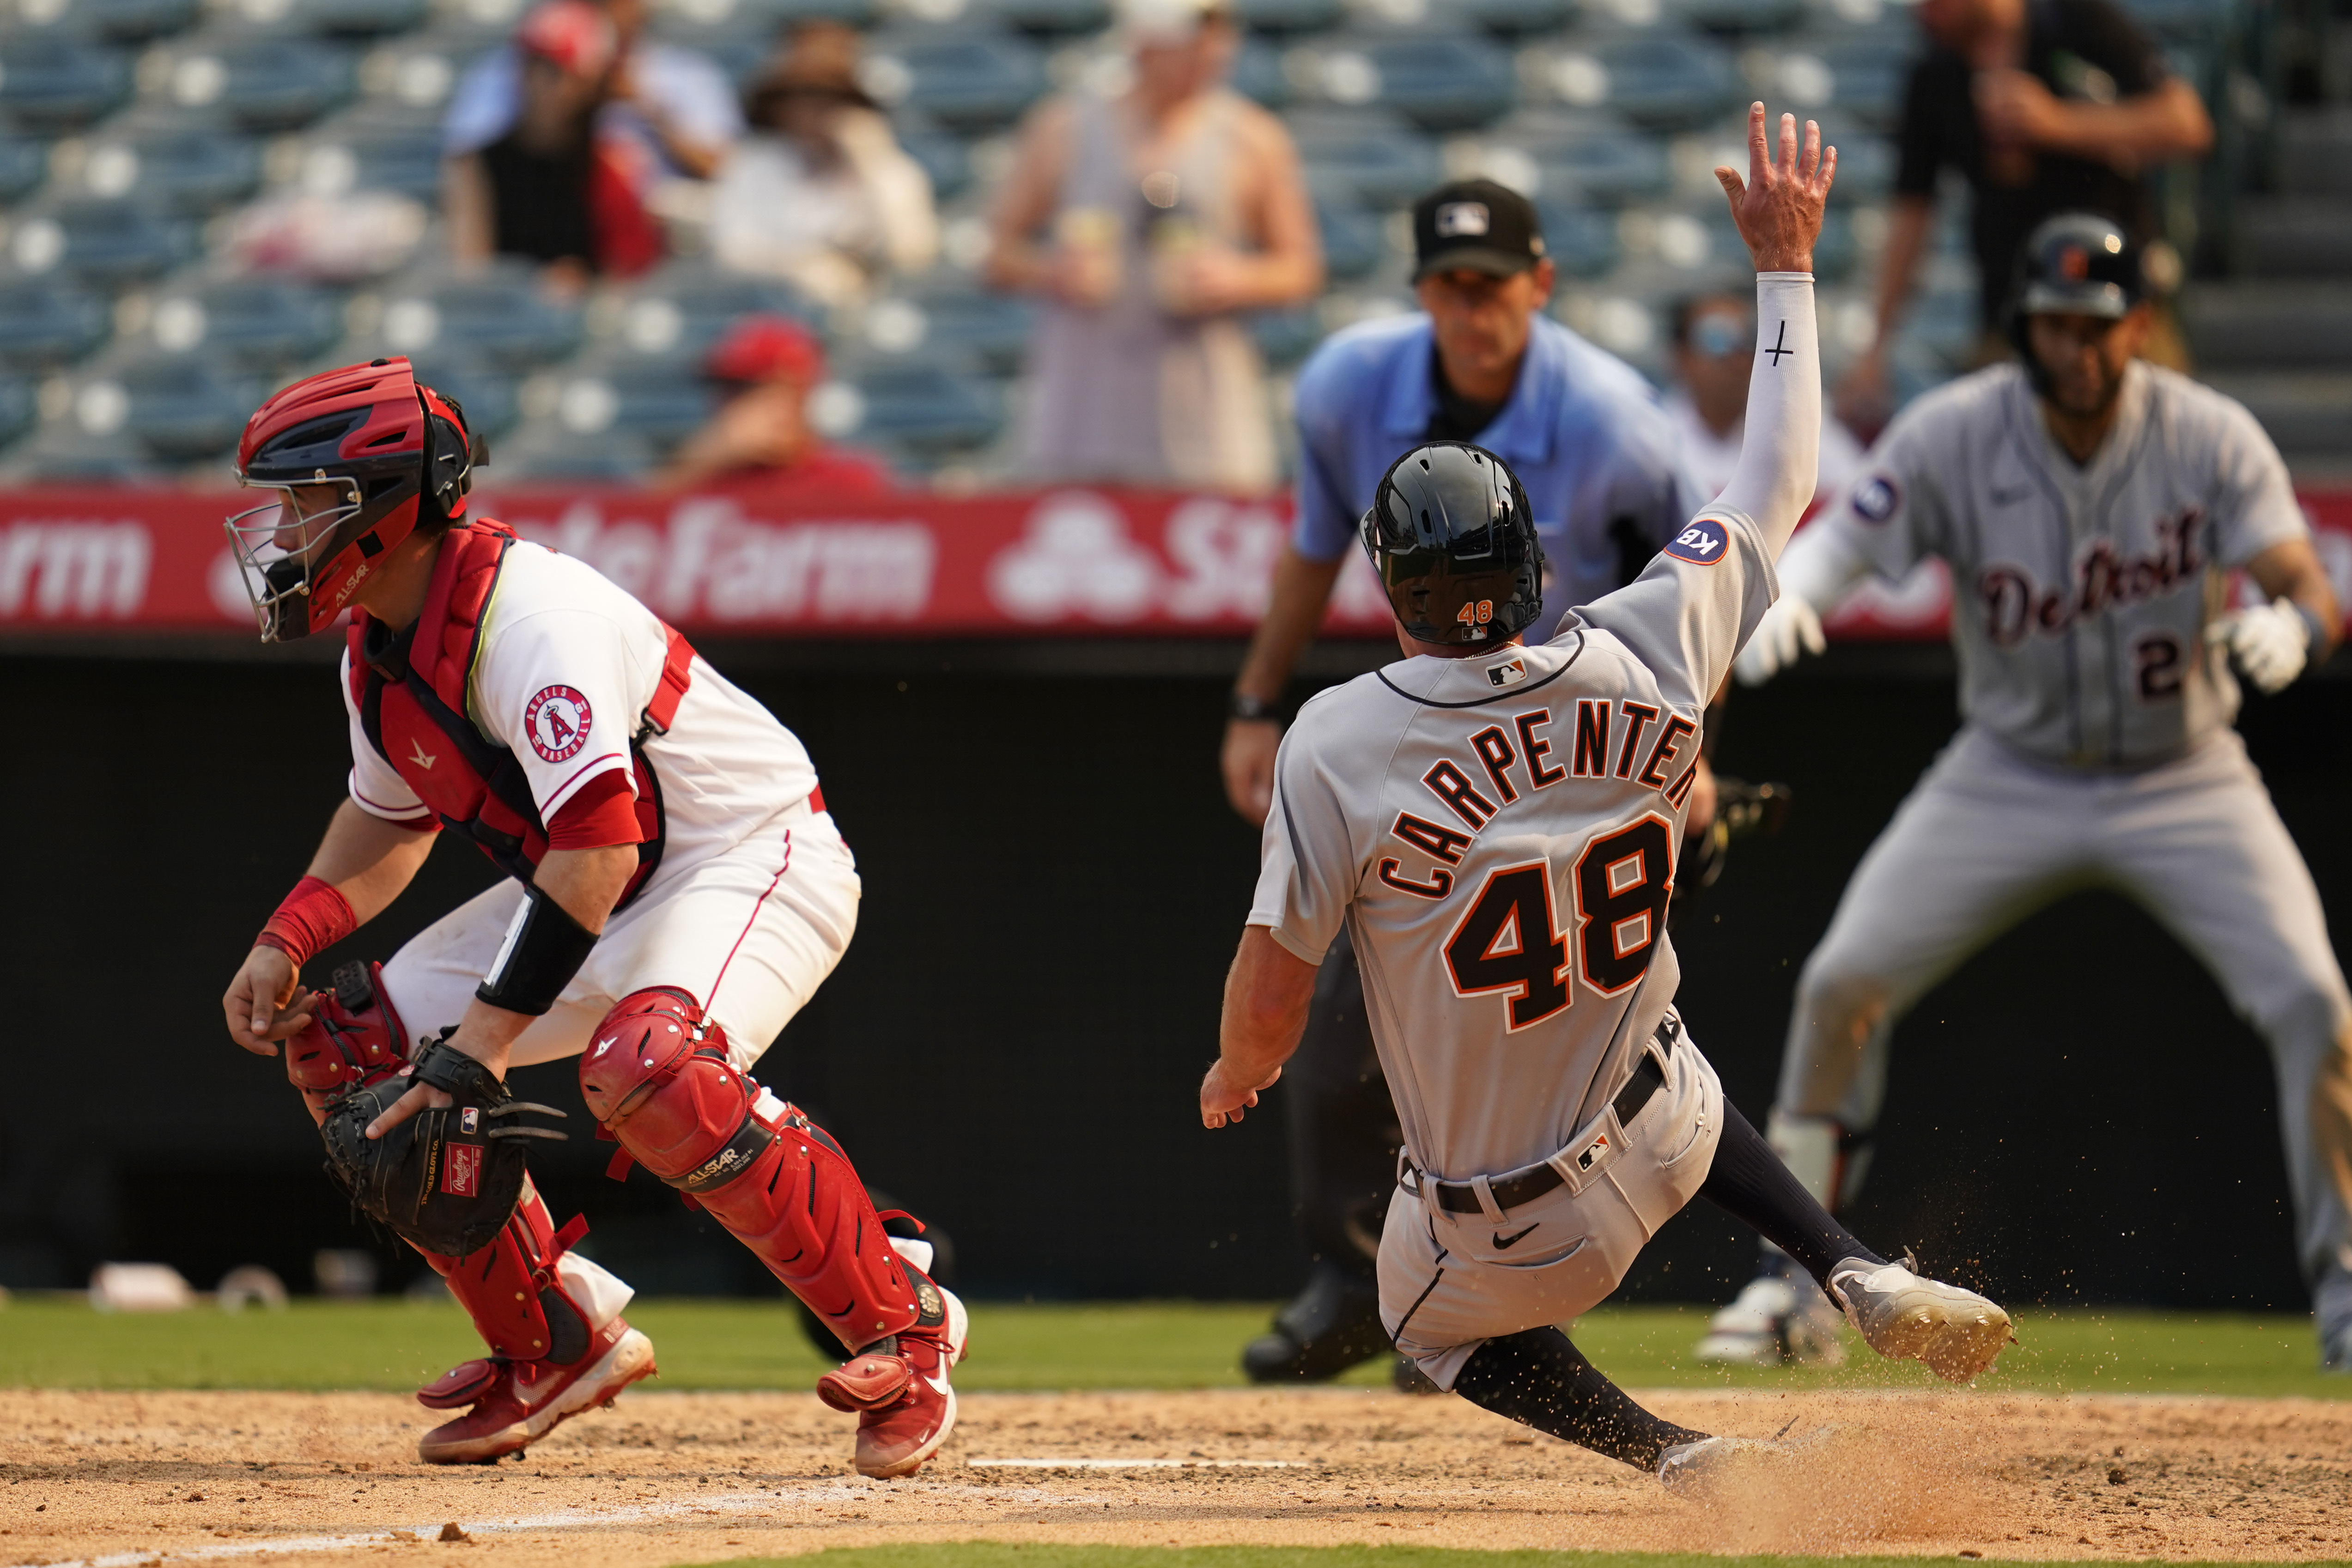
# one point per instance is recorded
(1480, 362)
(677, 891)
(2088, 505)
(1497, 825)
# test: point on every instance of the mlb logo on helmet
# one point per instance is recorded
(1701, 542)
(1461, 217)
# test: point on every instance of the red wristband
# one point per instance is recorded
(313, 918)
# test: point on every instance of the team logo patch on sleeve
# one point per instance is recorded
(558, 720)
(1702, 543)
(1876, 499)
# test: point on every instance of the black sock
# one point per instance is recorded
(1750, 1184)
(1539, 1379)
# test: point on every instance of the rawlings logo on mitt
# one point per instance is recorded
(445, 1179)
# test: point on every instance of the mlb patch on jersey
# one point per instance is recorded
(1510, 672)
(1461, 217)
(558, 719)
(1702, 542)
(1876, 499)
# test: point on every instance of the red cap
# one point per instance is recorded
(767, 348)
(577, 37)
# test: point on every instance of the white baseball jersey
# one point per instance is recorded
(2079, 592)
(1500, 830)
(567, 665)
(1711, 460)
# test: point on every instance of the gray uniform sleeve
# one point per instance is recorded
(1308, 868)
(1893, 515)
(1689, 612)
(2253, 501)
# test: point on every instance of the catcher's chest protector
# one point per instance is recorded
(410, 689)
(657, 1078)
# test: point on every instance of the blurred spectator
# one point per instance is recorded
(674, 106)
(1715, 354)
(2055, 106)
(1172, 208)
(553, 188)
(821, 193)
(761, 435)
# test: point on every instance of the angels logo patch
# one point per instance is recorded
(558, 720)
(1701, 541)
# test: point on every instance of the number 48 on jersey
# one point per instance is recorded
(1509, 939)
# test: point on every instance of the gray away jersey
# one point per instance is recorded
(1501, 831)
(2079, 595)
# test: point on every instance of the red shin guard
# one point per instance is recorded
(510, 1291)
(656, 1075)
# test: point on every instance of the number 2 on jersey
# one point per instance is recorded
(1509, 941)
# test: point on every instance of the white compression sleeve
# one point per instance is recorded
(1821, 565)
(1782, 448)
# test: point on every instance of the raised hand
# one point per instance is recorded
(1779, 206)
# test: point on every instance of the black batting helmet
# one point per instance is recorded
(1454, 545)
(2074, 264)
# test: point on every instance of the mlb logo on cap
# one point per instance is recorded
(1461, 217)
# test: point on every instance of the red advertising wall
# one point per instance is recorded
(1070, 561)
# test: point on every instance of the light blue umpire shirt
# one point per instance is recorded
(1582, 429)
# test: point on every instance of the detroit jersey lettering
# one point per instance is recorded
(2080, 596)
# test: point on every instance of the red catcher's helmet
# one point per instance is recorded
(397, 452)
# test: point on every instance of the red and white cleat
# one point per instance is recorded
(899, 1387)
(516, 1403)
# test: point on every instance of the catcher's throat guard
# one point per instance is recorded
(448, 1179)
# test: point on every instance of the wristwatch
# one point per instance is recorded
(1242, 705)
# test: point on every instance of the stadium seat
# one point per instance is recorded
(182, 408)
(51, 85)
(45, 324)
(1354, 243)
(1286, 18)
(545, 451)
(500, 314)
(24, 164)
(259, 323)
(488, 395)
(945, 156)
(1519, 19)
(1659, 80)
(262, 83)
(348, 18)
(1368, 154)
(372, 149)
(166, 164)
(418, 71)
(681, 311)
(1045, 17)
(1258, 74)
(1865, 74)
(661, 402)
(1440, 81)
(109, 243)
(2183, 21)
(1588, 158)
(1580, 240)
(18, 409)
(926, 411)
(764, 17)
(950, 318)
(1285, 337)
(1737, 15)
(128, 21)
(968, 80)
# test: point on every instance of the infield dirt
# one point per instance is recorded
(686, 1477)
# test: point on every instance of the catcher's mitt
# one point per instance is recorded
(445, 1179)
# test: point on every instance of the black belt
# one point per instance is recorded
(1510, 1192)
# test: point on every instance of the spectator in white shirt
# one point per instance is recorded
(820, 193)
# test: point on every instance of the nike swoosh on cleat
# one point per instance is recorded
(1504, 1242)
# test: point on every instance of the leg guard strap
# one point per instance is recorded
(353, 1036)
(514, 1290)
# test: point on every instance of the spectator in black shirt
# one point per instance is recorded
(2043, 106)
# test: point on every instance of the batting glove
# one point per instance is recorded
(1790, 627)
(2271, 643)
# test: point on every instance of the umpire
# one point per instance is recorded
(1478, 363)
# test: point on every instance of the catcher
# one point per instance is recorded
(676, 893)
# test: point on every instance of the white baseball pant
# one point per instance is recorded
(1987, 837)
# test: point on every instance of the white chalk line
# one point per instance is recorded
(1078, 1464)
(571, 1519)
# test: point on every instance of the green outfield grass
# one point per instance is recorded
(59, 1343)
(1008, 1554)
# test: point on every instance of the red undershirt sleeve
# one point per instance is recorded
(601, 813)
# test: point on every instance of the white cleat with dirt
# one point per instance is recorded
(1775, 1322)
(1699, 1471)
(1956, 1332)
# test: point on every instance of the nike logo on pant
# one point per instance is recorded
(1504, 1242)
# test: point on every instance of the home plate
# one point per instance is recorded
(1078, 1464)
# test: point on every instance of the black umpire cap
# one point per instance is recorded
(1477, 224)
